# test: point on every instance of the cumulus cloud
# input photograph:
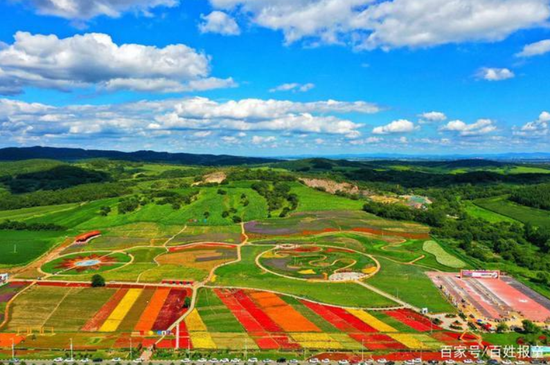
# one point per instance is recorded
(430, 117)
(87, 9)
(535, 49)
(220, 23)
(535, 129)
(368, 24)
(397, 126)
(495, 74)
(481, 127)
(93, 59)
(262, 140)
(185, 118)
(294, 87)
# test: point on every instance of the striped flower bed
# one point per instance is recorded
(141, 309)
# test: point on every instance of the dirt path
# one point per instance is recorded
(197, 286)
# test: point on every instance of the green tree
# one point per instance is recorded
(529, 327)
(502, 327)
(98, 281)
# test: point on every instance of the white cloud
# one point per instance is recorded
(294, 87)
(263, 140)
(263, 109)
(536, 129)
(87, 9)
(370, 24)
(369, 140)
(432, 117)
(182, 118)
(495, 74)
(535, 49)
(220, 23)
(397, 126)
(94, 60)
(481, 127)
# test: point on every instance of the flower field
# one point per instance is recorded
(141, 310)
(270, 321)
(74, 307)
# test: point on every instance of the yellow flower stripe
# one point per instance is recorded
(372, 321)
(194, 322)
(409, 341)
(202, 340)
(118, 314)
(310, 340)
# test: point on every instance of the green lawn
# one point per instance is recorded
(411, 284)
(34, 212)
(442, 256)
(21, 247)
(501, 205)
(246, 274)
(488, 215)
(314, 200)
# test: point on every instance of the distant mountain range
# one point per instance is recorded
(505, 157)
(74, 154)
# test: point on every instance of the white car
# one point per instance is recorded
(314, 360)
(234, 361)
(138, 360)
(185, 361)
(293, 361)
(203, 360)
(224, 361)
(519, 362)
(84, 361)
(450, 362)
(343, 362)
(325, 361)
(214, 361)
(506, 362)
(409, 362)
(417, 360)
(468, 361)
(68, 360)
(381, 361)
(116, 359)
(267, 361)
(252, 360)
(58, 359)
(480, 362)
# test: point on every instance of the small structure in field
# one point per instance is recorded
(86, 237)
(4, 278)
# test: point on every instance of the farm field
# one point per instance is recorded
(488, 215)
(227, 265)
(311, 223)
(22, 247)
(98, 312)
(500, 205)
(269, 321)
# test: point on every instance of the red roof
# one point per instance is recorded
(86, 236)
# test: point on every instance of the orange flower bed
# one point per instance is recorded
(288, 318)
(6, 338)
(150, 314)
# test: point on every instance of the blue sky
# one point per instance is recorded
(277, 77)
